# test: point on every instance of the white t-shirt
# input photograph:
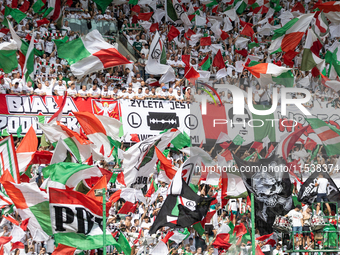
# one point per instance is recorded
(95, 92)
(71, 92)
(60, 89)
(296, 218)
(322, 188)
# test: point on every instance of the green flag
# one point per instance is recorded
(102, 4)
(19, 130)
(180, 141)
(48, 11)
(37, 6)
(133, 2)
(238, 140)
(124, 244)
(18, 15)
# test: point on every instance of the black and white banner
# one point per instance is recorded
(150, 117)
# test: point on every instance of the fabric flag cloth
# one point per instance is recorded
(222, 238)
(232, 184)
(332, 84)
(157, 58)
(140, 159)
(65, 250)
(268, 201)
(192, 75)
(28, 69)
(308, 191)
(267, 73)
(223, 137)
(56, 12)
(84, 233)
(31, 203)
(90, 53)
(329, 135)
(8, 58)
(290, 35)
(205, 41)
(321, 25)
(218, 60)
(173, 32)
(145, 16)
(4, 200)
(9, 158)
(178, 236)
(205, 63)
(333, 57)
(102, 4)
(26, 149)
(58, 115)
(182, 207)
(68, 175)
(101, 130)
(221, 73)
(310, 56)
(161, 248)
(331, 10)
(175, 13)
(248, 31)
(129, 195)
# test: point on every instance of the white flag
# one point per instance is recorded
(221, 73)
(223, 137)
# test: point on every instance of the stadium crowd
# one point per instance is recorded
(53, 76)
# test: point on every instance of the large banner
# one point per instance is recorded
(252, 127)
(150, 117)
(20, 112)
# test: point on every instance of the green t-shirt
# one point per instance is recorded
(138, 45)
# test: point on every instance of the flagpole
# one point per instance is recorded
(104, 221)
(252, 223)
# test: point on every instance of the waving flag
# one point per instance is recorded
(311, 52)
(9, 158)
(90, 53)
(331, 10)
(290, 35)
(157, 57)
(31, 203)
(71, 227)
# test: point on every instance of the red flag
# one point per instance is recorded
(225, 145)
(120, 178)
(127, 208)
(64, 250)
(102, 151)
(166, 164)
(243, 23)
(271, 148)
(214, 10)
(258, 251)
(173, 33)
(263, 9)
(244, 52)
(59, 113)
(191, 17)
(145, 16)
(69, 3)
(29, 37)
(5, 239)
(136, 8)
(188, 34)
(134, 138)
(288, 57)
(6, 176)
(24, 224)
(4, 30)
(192, 75)
(42, 22)
(218, 60)
(248, 31)
(315, 71)
(298, 7)
(240, 230)
(14, 4)
(17, 245)
(29, 143)
(310, 144)
(25, 6)
(41, 157)
(154, 27)
(89, 161)
(186, 61)
(206, 41)
(224, 35)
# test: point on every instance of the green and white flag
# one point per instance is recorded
(8, 56)
(66, 174)
(175, 13)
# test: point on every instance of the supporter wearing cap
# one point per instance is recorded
(163, 94)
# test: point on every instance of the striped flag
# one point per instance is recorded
(289, 36)
(329, 135)
(8, 158)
